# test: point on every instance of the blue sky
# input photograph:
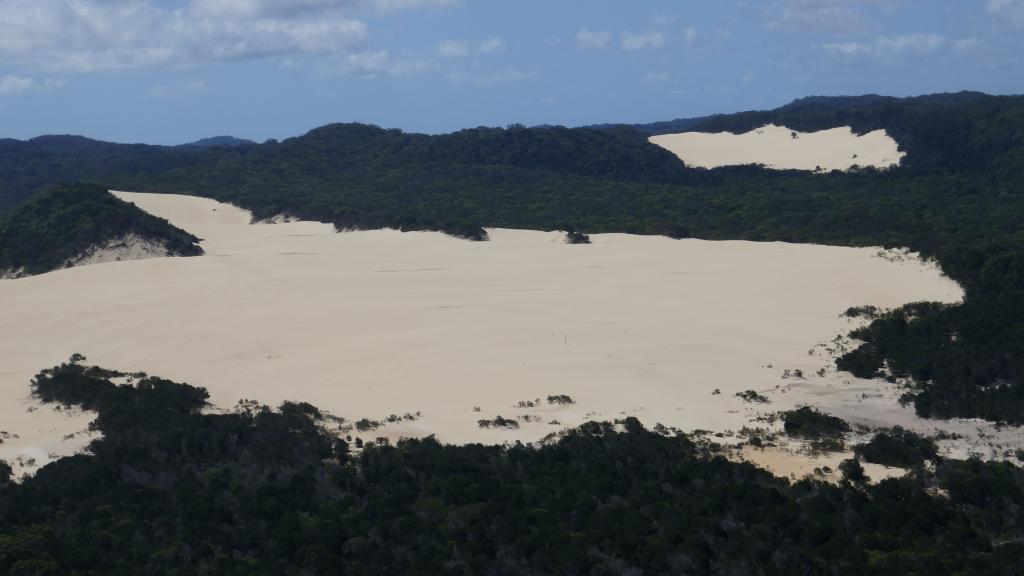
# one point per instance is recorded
(172, 71)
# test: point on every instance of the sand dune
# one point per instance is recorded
(782, 148)
(126, 247)
(367, 324)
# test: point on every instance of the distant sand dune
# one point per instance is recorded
(782, 148)
(367, 324)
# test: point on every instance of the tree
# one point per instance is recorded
(342, 450)
(853, 471)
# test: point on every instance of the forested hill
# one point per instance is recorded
(170, 488)
(612, 154)
(29, 166)
(815, 112)
(958, 197)
(800, 110)
(662, 127)
(215, 141)
(958, 131)
(60, 224)
(355, 175)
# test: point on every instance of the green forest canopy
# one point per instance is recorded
(59, 224)
(170, 489)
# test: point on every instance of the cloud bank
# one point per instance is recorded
(76, 36)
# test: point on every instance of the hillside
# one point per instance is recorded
(957, 197)
(660, 127)
(32, 165)
(169, 484)
(69, 225)
(939, 132)
(215, 141)
(171, 487)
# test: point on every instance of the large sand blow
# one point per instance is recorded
(367, 324)
(781, 148)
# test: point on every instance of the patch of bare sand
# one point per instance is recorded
(369, 324)
(795, 464)
(781, 148)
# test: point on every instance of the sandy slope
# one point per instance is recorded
(366, 324)
(126, 247)
(776, 147)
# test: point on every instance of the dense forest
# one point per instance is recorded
(30, 166)
(172, 489)
(219, 141)
(958, 198)
(60, 223)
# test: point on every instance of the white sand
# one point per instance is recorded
(775, 147)
(367, 324)
(127, 247)
(798, 464)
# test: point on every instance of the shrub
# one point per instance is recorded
(752, 396)
(852, 471)
(576, 237)
(898, 447)
(498, 422)
(365, 425)
(810, 423)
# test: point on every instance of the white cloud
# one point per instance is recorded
(287, 8)
(663, 20)
(966, 44)
(490, 45)
(507, 76)
(453, 49)
(92, 35)
(848, 48)
(378, 63)
(177, 91)
(461, 49)
(633, 42)
(258, 8)
(13, 85)
(1010, 10)
(657, 77)
(823, 16)
(1004, 5)
(16, 85)
(919, 43)
(882, 46)
(690, 35)
(396, 5)
(587, 39)
(368, 63)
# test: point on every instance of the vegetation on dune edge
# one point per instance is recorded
(60, 224)
(171, 489)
